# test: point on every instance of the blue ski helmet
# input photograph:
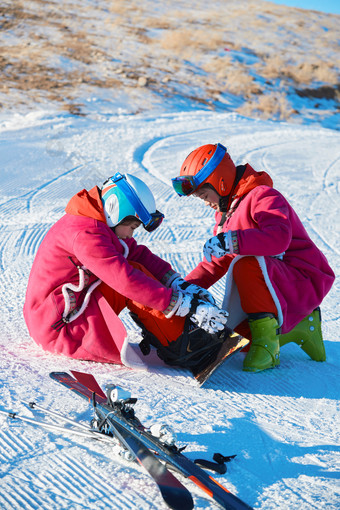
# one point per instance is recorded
(125, 195)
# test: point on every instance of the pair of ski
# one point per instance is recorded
(114, 415)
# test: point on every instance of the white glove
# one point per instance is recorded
(205, 315)
(181, 285)
(218, 246)
(210, 317)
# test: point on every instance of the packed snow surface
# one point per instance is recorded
(282, 424)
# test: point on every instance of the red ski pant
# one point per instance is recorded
(254, 294)
(166, 330)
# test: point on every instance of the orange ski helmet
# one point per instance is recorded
(208, 164)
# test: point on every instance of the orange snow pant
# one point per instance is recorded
(254, 294)
(166, 330)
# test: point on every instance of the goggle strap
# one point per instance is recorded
(207, 169)
(132, 197)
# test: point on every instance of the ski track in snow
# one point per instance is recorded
(282, 424)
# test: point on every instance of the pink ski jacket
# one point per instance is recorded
(267, 225)
(79, 250)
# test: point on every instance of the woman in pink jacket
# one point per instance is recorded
(276, 276)
(89, 268)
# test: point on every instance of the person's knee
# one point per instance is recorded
(244, 267)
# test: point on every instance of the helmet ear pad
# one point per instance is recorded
(223, 177)
(111, 210)
(116, 207)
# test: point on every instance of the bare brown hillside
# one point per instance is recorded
(257, 58)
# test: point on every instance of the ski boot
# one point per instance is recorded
(307, 335)
(264, 351)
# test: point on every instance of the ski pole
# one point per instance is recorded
(34, 405)
(58, 428)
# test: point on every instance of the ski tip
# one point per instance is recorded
(58, 375)
(89, 381)
(83, 378)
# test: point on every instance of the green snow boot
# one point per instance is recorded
(264, 351)
(307, 335)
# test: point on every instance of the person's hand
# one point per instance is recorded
(217, 246)
(181, 285)
(205, 315)
(209, 317)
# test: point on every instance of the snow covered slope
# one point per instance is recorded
(282, 424)
(257, 58)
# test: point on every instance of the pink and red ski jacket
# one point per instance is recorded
(267, 226)
(82, 238)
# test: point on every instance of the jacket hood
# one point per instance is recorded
(250, 180)
(87, 203)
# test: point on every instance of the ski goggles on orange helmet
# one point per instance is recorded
(187, 184)
(150, 220)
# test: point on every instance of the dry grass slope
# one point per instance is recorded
(252, 57)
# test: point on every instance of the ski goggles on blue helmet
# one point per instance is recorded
(187, 184)
(150, 220)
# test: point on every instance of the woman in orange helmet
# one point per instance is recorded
(276, 275)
